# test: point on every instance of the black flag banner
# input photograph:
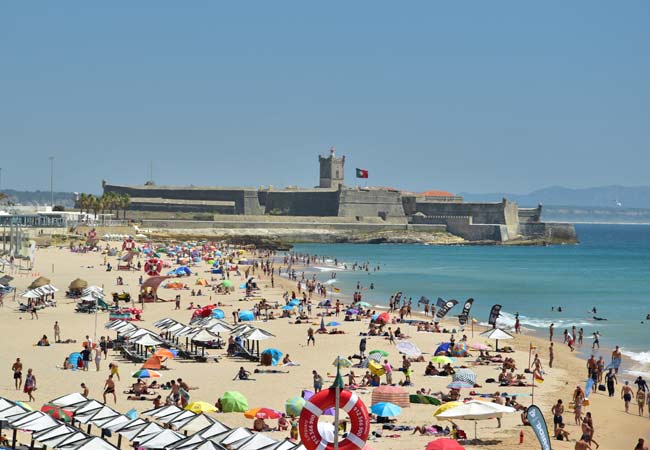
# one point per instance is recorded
(494, 315)
(462, 319)
(444, 309)
(440, 303)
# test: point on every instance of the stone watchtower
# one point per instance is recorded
(331, 170)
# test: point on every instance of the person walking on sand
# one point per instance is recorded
(626, 395)
(640, 400)
(98, 357)
(389, 372)
(57, 332)
(115, 370)
(550, 332)
(610, 380)
(17, 368)
(550, 356)
(310, 336)
(109, 388)
(318, 381)
(30, 385)
(391, 336)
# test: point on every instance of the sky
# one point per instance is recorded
(479, 96)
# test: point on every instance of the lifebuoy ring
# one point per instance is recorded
(351, 404)
(153, 267)
(128, 244)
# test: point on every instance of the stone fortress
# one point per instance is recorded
(359, 209)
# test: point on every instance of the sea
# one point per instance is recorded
(608, 270)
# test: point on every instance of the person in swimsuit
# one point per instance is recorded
(626, 395)
(115, 370)
(30, 385)
(557, 410)
(640, 400)
(109, 388)
(84, 390)
(17, 368)
(610, 380)
(578, 399)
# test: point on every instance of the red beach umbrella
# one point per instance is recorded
(444, 444)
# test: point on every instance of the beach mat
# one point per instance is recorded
(424, 399)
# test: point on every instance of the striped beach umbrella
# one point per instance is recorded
(145, 373)
(464, 376)
(341, 362)
(294, 406)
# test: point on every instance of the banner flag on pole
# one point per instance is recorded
(537, 422)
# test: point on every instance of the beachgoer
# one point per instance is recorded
(318, 381)
(561, 434)
(640, 400)
(626, 395)
(596, 340)
(115, 370)
(641, 445)
(84, 390)
(557, 410)
(98, 357)
(616, 358)
(391, 336)
(389, 372)
(310, 336)
(641, 383)
(109, 388)
(17, 368)
(550, 332)
(57, 332)
(610, 380)
(30, 384)
(578, 399)
(550, 356)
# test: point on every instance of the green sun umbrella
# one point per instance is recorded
(294, 406)
(383, 353)
(226, 283)
(233, 401)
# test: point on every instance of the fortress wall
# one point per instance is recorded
(564, 232)
(228, 224)
(353, 203)
(175, 207)
(302, 203)
(530, 215)
(464, 227)
(246, 201)
(289, 220)
(481, 213)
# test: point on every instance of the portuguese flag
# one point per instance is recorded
(362, 173)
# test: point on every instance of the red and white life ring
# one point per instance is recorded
(128, 244)
(153, 267)
(351, 404)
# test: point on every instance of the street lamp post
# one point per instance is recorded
(52, 181)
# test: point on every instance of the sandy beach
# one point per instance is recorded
(613, 428)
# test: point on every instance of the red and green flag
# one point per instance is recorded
(362, 173)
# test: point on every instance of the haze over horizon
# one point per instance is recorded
(505, 97)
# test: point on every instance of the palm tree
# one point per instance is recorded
(124, 202)
(82, 202)
(3, 196)
(94, 204)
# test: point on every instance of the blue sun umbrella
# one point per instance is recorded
(218, 314)
(288, 308)
(333, 324)
(459, 385)
(385, 409)
(275, 355)
(246, 316)
(294, 302)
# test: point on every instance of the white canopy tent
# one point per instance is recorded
(71, 399)
(497, 334)
(254, 442)
(93, 443)
(161, 440)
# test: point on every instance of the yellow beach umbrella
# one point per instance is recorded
(441, 359)
(200, 407)
(445, 406)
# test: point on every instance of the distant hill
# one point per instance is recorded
(66, 199)
(596, 197)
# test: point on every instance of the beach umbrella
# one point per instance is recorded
(444, 444)
(78, 284)
(392, 394)
(24, 405)
(164, 353)
(479, 346)
(39, 282)
(294, 302)
(445, 406)
(476, 410)
(246, 316)
(351, 311)
(464, 375)
(459, 385)
(333, 324)
(441, 359)
(227, 283)
(233, 401)
(443, 348)
(200, 407)
(262, 413)
(288, 308)
(56, 412)
(294, 405)
(383, 317)
(382, 353)
(409, 349)
(275, 355)
(218, 314)
(341, 362)
(386, 409)
(376, 358)
(363, 304)
(145, 373)
(497, 334)
(306, 394)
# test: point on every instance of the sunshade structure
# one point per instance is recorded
(497, 334)
(409, 349)
(341, 362)
(246, 316)
(385, 409)
(53, 436)
(262, 413)
(233, 401)
(78, 284)
(57, 412)
(145, 373)
(32, 421)
(39, 282)
(294, 406)
(391, 394)
(271, 356)
(161, 440)
(254, 442)
(476, 410)
(465, 376)
(444, 444)
(196, 423)
(92, 443)
(40, 292)
(201, 407)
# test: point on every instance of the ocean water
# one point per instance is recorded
(609, 270)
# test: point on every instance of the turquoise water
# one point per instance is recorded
(609, 270)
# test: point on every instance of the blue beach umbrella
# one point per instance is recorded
(288, 308)
(459, 385)
(246, 316)
(386, 409)
(218, 314)
(275, 355)
(333, 324)
(294, 302)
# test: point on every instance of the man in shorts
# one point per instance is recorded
(17, 367)
(557, 410)
(626, 395)
(109, 388)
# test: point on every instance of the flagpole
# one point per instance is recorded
(338, 382)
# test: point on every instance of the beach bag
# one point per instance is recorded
(601, 387)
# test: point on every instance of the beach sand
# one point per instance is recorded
(613, 428)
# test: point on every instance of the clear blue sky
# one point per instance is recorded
(466, 96)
